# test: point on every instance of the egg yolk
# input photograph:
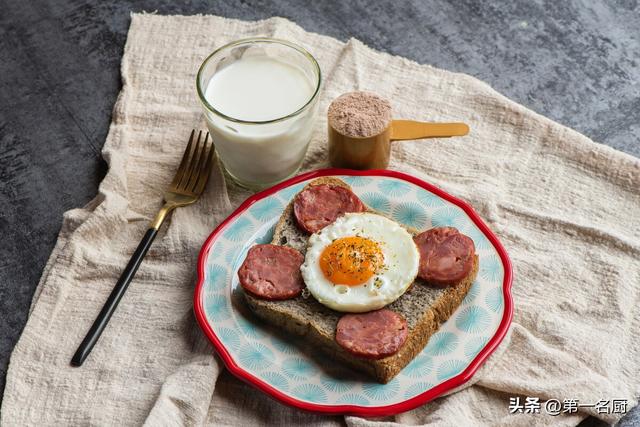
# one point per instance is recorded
(351, 260)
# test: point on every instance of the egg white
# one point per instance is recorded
(401, 262)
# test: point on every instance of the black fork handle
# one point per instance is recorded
(109, 307)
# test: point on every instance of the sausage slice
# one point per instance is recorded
(373, 335)
(446, 255)
(319, 205)
(272, 272)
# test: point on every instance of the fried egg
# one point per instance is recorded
(360, 262)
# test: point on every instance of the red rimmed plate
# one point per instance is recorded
(288, 370)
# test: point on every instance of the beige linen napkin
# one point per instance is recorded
(567, 210)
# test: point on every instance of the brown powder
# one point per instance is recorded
(359, 114)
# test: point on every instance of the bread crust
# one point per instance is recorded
(306, 317)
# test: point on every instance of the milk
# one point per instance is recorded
(260, 88)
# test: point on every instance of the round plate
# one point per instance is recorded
(285, 368)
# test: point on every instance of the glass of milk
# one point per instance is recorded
(259, 97)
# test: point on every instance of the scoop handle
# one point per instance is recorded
(410, 129)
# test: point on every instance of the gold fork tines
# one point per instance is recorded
(190, 178)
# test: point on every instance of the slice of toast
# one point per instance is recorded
(423, 306)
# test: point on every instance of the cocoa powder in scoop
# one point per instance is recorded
(359, 114)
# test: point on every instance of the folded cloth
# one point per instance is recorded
(565, 207)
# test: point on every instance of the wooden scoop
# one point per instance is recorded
(373, 152)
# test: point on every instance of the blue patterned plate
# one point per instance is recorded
(287, 369)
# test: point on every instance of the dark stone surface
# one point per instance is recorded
(575, 62)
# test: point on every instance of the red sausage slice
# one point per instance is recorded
(372, 335)
(272, 272)
(446, 255)
(319, 205)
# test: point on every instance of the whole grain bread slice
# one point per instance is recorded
(423, 306)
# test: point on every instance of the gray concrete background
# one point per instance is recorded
(575, 62)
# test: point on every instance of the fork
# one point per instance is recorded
(186, 187)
